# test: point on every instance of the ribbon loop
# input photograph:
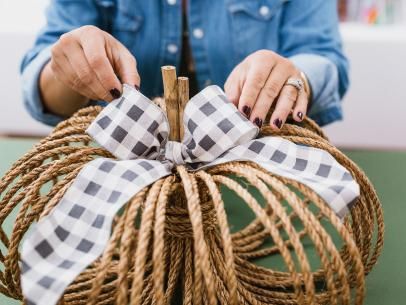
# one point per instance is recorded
(213, 125)
(131, 127)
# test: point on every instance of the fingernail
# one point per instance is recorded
(258, 122)
(247, 110)
(278, 123)
(137, 87)
(300, 115)
(115, 93)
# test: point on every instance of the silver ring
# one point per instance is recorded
(295, 82)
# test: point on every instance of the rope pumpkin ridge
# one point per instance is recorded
(175, 236)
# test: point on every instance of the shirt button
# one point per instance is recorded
(198, 33)
(171, 2)
(264, 10)
(172, 48)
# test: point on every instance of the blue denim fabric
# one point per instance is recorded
(223, 33)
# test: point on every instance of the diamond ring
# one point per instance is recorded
(295, 82)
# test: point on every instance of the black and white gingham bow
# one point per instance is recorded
(135, 130)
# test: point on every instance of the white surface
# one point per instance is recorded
(19, 21)
(375, 107)
(21, 15)
(353, 32)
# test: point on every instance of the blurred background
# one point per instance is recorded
(374, 34)
(373, 132)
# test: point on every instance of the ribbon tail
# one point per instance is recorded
(313, 167)
(76, 232)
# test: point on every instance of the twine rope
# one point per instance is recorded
(174, 235)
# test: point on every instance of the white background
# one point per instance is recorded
(375, 107)
(19, 22)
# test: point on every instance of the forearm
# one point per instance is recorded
(317, 51)
(58, 98)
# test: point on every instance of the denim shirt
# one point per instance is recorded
(222, 34)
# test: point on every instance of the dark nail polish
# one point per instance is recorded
(258, 122)
(278, 123)
(137, 87)
(247, 110)
(115, 93)
(300, 115)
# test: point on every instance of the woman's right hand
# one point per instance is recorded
(93, 63)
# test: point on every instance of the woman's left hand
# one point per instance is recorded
(259, 82)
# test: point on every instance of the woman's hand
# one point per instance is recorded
(259, 82)
(92, 63)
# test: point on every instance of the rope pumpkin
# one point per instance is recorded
(172, 243)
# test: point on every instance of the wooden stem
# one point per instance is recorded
(183, 95)
(171, 101)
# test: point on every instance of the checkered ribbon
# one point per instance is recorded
(135, 130)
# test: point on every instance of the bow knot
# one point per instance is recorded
(137, 128)
(174, 153)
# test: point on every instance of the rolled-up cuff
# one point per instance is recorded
(327, 116)
(322, 74)
(31, 91)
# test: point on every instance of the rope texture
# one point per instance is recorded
(172, 243)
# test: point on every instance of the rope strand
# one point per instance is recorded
(173, 240)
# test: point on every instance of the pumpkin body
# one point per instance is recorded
(173, 242)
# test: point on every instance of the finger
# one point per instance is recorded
(269, 94)
(256, 78)
(125, 65)
(94, 49)
(300, 109)
(286, 100)
(87, 79)
(233, 84)
(63, 71)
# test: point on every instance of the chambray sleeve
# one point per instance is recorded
(311, 39)
(62, 16)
